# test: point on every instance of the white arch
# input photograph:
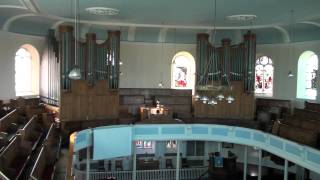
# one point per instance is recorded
(190, 71)
(302, 65)
(6, 25)
(13, 7)
(311, 23)
(284, 33)
(35, 74)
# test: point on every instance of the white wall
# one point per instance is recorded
(9, 44)
(285, 58)
(146, 64)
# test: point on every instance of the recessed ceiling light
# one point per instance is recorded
(102, 11)
(241, 17)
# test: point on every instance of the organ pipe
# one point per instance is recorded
(226, 63)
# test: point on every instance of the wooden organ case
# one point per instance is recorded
(228, 65)
(95, 96)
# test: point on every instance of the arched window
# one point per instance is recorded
(307, 75)
(264, 76)
(27, 71)
(183, 70)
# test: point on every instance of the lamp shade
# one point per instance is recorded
(220, 97)
(75, 74)
(290, 74)
(230, 99)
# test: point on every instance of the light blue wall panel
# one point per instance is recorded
(83, 140)
(112, 143)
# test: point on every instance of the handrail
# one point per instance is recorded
(7, 115)
(303, 155)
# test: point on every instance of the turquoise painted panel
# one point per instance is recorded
(276, 143)
(82, 140)
(243, 134)
(259, 137)
(293, 149)
(219, 131)
(313, 157)
(200, 130)
(173, 130)
(116, 141)
(146, 131)
(112, 143)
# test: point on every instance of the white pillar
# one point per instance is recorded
(260, 162)
(245, 162)
(134, 161)
(178, 161)
(299, 172)
(88, 155)
(220, 147)
(285, 177)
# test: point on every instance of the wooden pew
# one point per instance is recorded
(15, 157)
(296, 134)
(32, 131)
(10, 124)
(312, 106)
(306, 114)
(53, 140)
(45, 164)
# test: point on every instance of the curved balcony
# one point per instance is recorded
(115, 141)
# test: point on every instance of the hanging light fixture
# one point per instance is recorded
(75, 73)
(160, 84)
(290, 74)
(292, 34)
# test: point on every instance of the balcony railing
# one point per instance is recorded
(160, 174)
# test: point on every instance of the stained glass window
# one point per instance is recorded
(144, 144)
(307, 75)
(264, 76)
(311, 76)
(180, 72)
(23, 72)
(183, 71)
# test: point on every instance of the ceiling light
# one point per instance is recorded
(102, 11)
(241, 17)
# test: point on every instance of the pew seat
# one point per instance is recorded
(44, 166)
(14, 157)
(296, 134)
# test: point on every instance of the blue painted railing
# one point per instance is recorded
(303, 155)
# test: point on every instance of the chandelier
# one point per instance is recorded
(207, 90)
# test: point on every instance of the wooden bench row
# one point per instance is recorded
(44, 166)
(302, 127)
(296, 134)
(9, 126)
(15, 156)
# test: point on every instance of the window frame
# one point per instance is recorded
(270, 63)
(302, 75)
(35, 72)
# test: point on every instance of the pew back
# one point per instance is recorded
(306, 114)
(300, 135)
(7, 120)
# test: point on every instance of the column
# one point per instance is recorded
(245, 162)
(88, 155)
(299, 172)
(134, 161)
(178, 161)
(285, 170)
(260, 162)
